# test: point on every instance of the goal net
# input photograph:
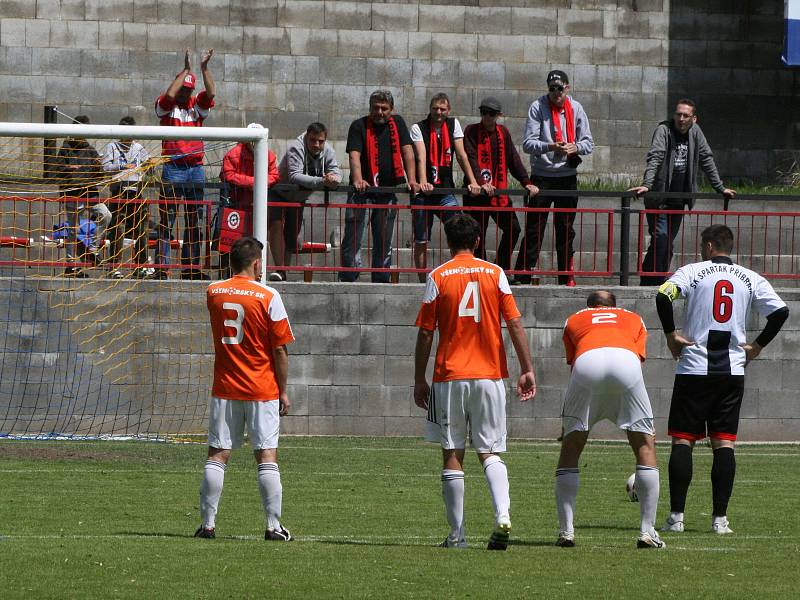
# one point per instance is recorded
(104, 241)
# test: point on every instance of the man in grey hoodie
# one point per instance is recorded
(556, 135)
(677, 149)
(310, 162)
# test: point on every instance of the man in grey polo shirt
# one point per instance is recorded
(556, 135)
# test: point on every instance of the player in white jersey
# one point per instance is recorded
(712, 352)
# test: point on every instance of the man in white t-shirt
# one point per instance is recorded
(712, 352)
(436, 138)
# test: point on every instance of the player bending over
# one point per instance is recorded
(606, 347)
(465, 298)
(251, 330)
(712, 352)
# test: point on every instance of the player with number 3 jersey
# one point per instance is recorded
(250, 330)
(712, 352)
(465, 299)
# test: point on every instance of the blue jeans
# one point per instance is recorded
(423, 219)
(382, 225)
(186, 182)
(663, 231)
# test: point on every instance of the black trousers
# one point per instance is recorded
(507, 223)
(535, 224)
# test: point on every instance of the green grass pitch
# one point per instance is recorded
(115, 520)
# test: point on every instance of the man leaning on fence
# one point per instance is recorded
(556, 135)
(183, 175)
(437, 139)
(310, 163)
(381, 155)
(492, 156)
(677, 150)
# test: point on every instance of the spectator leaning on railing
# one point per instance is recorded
(437, 138)
(492, 156)
(677, 150)
(381, 155)
(310, 162)
(183, 176)
(556, 135)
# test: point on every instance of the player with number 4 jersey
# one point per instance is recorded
(605, 345)
(712, 352)
(250, 329)
(465, 299)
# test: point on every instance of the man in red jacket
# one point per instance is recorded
(238, 171)
(183, 177)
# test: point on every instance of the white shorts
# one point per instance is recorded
(607, 383)
(477, 405)
(227, 420)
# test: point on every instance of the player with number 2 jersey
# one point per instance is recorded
(712, 352)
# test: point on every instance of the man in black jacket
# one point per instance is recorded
(677, 149)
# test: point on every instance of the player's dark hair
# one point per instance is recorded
(688, 102)
(127, 120)
(440, 97)
(601, 298)
(719, 236)
(244, 252)
(83, 119)
(462, 232)
(317, 128)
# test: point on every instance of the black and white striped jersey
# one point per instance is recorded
(719, 295)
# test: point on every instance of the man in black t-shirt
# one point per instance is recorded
(381, 155)
(677, 149)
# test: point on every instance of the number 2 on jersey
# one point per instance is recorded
(235, 323)
(723, 301)
(470, 305)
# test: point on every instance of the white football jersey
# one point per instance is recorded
(719, 295)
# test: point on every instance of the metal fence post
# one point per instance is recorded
(624, 240)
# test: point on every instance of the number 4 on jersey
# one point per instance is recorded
(470, 305)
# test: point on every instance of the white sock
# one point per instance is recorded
(647, 489)
(567, 483)
(269, 484)
(453, 494)
(210, 491)
(497, 476)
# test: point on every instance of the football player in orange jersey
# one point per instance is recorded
(605, 346)
(465, 299)
(251, 330)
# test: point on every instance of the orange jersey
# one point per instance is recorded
(465, 298)
(604, 327)
(248, 321)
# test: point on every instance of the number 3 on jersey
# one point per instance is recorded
(470, 305)
(723, 301)
(235, 323)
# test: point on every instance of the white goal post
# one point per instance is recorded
(259, 138)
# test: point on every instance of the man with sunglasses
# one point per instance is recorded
(492, 156)
(556, 135)
(677, 150)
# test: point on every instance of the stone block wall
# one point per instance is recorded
(136, 357)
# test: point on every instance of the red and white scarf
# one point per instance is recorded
(569, 117)
(496, 174)
(439, 154)
(372, 152)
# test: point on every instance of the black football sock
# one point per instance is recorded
(723, 472)
(680, 476)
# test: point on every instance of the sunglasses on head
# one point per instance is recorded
(490, 112)
(556, 88)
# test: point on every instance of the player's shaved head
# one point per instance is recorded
(720, 237)
(601, 298)
(462, 233)
(244, 252)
